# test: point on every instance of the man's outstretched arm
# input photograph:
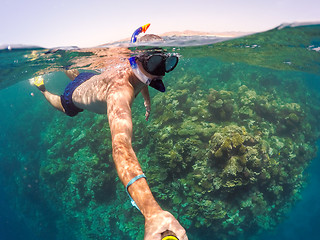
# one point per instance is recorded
(128, 167)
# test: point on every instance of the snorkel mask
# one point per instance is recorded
(158, 63)
(155, 63)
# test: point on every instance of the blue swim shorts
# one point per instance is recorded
(66, 99)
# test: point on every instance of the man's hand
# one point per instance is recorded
(159, 223)
(146, 97)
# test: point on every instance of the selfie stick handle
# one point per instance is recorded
(168, 235)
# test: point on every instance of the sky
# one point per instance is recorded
(88, 23)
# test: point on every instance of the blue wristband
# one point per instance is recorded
(129, 184)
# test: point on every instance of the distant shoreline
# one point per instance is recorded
(230, 34)
(197, 33)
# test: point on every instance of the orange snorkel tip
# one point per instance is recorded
(145, 27)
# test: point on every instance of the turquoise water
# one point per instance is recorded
(230, 148)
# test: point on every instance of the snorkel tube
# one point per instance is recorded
(143, 78)
(155, 83)
(138, 31)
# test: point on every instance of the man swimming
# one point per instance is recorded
(113, 92)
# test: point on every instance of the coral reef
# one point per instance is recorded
(229, 161)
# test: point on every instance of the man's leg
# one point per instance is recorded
(72, 74)
(54, 100)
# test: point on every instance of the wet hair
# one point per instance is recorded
(150, 38)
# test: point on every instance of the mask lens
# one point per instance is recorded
(154, 63)
(171, 63)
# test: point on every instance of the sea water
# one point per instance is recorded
(230, 148)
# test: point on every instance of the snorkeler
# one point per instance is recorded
(113, 92)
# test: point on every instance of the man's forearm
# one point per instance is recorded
(128, 167)
(146, 97)
(141, 194)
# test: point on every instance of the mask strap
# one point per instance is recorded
(143, 78)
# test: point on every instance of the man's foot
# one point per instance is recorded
(38, 82)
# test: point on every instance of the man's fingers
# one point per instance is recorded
(147, 115)
(181, 234)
